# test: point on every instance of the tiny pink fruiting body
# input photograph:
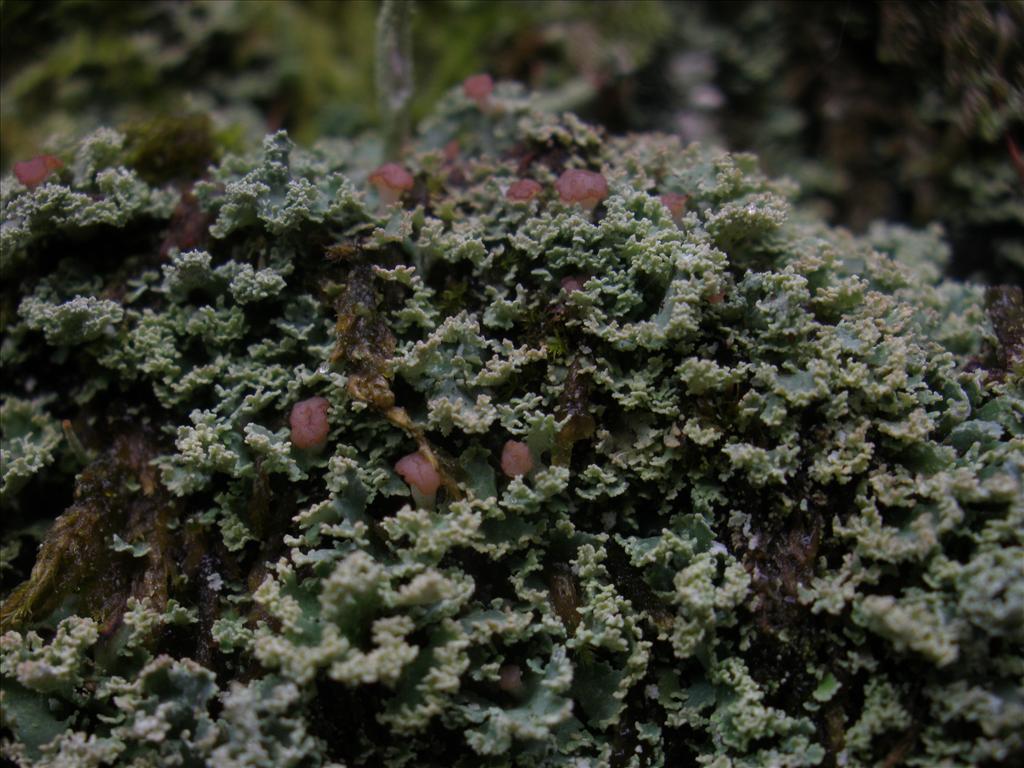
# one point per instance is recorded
(523, 190)
(516, 459)
(391, 181)
(676, 204)
(33, 172)
(510, 678)
(586, 188)
(478, 88)
(573, 283)
(419, 473)
(309, 423)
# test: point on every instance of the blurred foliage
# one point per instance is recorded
(902, 111)
(70, 66)
(304, 66)
(891, 110)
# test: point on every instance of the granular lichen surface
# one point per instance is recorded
(763, 504)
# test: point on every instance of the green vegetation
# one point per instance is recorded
(775, 513)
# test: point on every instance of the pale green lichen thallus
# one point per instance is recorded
(554, 449)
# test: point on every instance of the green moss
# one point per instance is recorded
(170, 148)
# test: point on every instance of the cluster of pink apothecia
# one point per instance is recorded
(310, 427)
(585, 188)
(574, 186)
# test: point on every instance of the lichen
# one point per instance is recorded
(772, 513)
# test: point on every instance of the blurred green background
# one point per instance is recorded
(904, 111)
